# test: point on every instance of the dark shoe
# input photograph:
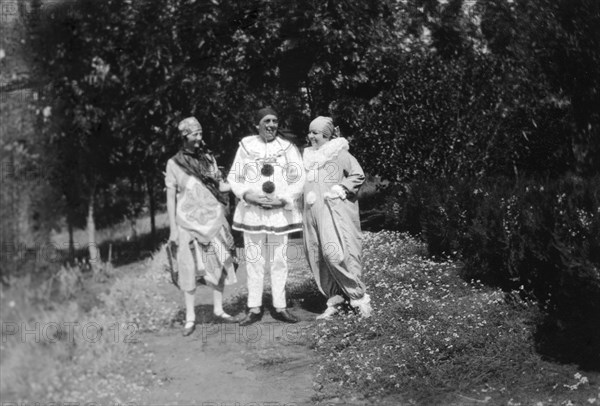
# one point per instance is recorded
(188, 328)
(251, 318)
(285, 316)
(225, 318)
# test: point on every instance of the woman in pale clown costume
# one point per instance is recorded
(332, 234)
(196, 208)
(267, 176)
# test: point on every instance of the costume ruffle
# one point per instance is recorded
(316, 158)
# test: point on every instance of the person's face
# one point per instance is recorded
(194, 139)
(315, 135)
(267, 127)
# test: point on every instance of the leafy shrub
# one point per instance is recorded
(467, 118)
(542, 235)
(547, 234)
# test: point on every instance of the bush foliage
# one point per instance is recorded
(539, 236)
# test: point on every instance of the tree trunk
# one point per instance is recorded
(71, 242)
(150, 187)
(309, 98)
(91, 229)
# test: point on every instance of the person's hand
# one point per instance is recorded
(287, 202)
(254, 198)
(339, 191)
(224, 187)
(262, 200)
(174, 235)
(272, 203)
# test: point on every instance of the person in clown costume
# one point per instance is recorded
(198, 227)
(267, 176)
(332, 234)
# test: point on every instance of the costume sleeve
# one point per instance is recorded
(170, 177)
(354, 176)
(295, 174)
(214, 169)
(236, 174)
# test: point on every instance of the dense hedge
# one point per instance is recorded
(540, 236)
(486, 162)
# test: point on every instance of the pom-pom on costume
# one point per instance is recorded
(332, 234)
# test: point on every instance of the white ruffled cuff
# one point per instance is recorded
(310, 198)
(337, 191)
(363, 300)
(289, 201)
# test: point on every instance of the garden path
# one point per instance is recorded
(225, 364)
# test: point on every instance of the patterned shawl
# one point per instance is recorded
(198, 162)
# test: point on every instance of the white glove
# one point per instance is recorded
(339, 191)
(287, 201)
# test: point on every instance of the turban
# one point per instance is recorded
(189, 126)
(264, 112)
(325, 125)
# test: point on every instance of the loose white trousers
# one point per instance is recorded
(266, 252)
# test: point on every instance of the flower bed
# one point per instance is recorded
(435, 339)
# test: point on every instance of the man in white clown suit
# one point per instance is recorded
(268, 177)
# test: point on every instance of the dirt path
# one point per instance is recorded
(224, 364)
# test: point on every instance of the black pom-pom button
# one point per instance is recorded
(267, 170)
(268, 187)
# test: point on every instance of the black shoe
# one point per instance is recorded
(251, 318)
(285, 316)
(188, 330)
(225, 318)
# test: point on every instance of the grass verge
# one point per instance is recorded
(57, 348)
(434, 339)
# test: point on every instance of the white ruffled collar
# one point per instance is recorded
(327, 152)
(256, 147)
